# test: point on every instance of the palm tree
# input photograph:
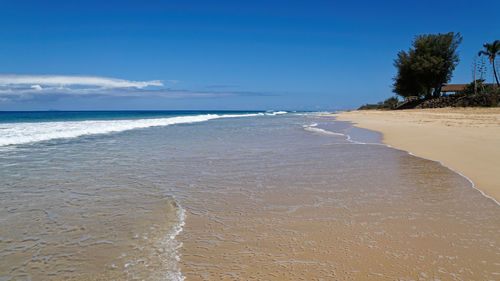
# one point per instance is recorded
(492, 50)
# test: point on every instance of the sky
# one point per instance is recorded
(226, 55)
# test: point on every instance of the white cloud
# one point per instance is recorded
(68, 80)
(30, 87)
(36, 87)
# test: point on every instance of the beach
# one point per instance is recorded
(231, 195)
(464, 139)
(320, 205)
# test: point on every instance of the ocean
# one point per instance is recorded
(214, 195)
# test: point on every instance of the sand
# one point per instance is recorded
(464, 139)
(340, 236)
(319, 214)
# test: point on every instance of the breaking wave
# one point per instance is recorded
(28, 132)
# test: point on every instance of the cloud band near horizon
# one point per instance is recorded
(73, 80)
(27, 87)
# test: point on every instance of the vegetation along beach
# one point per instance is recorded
(249, 140)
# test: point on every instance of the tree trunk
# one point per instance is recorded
(437, 92)
(496, 92)
(428, 94)
(495, 72)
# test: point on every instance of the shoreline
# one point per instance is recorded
(465, 140)
(317, 217)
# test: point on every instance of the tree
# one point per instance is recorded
(475, 87)
(391, 103)
(492, 50)
(406, 83)
(427, 66)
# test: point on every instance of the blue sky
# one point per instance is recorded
(304, 55)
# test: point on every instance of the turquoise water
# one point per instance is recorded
(52, 116)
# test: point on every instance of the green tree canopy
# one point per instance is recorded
(427, 66)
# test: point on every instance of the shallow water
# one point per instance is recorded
(265, 197)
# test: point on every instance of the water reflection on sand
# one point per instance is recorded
(265, 199)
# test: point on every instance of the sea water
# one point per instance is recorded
(83, 194)
(109, 195)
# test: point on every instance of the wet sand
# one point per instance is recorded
(336, 210)
(281, 198)
(464, 139)
(327, 233)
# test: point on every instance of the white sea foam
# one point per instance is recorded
(312, 113)
(22, 133)
(241, 115)
(172, 245)
(276, 113)
(312, 128)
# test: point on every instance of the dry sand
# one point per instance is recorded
(464, 139)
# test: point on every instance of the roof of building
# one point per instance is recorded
(461, 87)
(453, 87)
